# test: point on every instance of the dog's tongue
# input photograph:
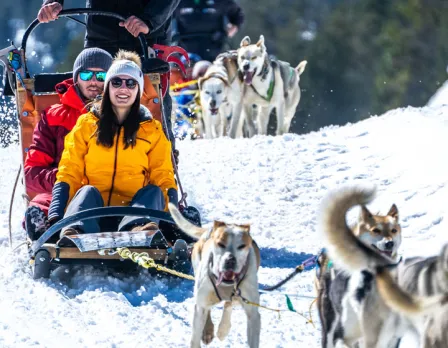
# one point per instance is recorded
(248, 77)
(388, 253)
(227, 276)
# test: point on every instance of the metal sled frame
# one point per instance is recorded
(156, 246)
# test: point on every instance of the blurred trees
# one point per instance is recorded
(364, 56)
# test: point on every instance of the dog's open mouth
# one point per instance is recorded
(388, 253)
(248, 76)
(226, 277)
(214, 111)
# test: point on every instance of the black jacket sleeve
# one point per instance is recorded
(233, 11)
(46, 2)
(157, 12)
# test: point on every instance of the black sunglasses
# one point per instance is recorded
(87, 75)
(117, 82)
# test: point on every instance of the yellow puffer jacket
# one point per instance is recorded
(117, 173)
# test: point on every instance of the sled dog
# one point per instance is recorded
(419, 292)
(225, 257)
(221, 93)
(268, 84)
(351, 310)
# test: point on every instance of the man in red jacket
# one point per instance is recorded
(41, 164)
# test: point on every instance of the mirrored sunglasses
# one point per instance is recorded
(117, 82)
(87, 75)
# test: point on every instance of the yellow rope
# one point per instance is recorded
(145, 261)
(182, 85)
(190, 91)
(311, 317)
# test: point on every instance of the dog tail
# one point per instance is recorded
(185, 225)
(301, 67)
(402, 302)
(344, 248)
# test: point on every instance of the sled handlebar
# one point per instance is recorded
(83, 11)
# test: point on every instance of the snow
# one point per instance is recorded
(274, 183)
(441, 96)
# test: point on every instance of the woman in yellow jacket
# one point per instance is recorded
(116, 155)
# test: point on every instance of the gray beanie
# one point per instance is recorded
(91, 58)
(125, 67)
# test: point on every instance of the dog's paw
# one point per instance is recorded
(208, 334)
(223, 331)
(208, 337)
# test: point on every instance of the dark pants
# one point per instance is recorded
(89, 197)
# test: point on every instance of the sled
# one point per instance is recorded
(33, 94)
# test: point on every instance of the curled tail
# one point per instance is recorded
(402, 302)
(343, 246)
(185, 225)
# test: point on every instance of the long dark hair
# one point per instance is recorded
(108, 123)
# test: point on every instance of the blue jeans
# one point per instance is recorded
(89, 197)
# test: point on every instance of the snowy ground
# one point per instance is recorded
(440, 97)
(275, 183)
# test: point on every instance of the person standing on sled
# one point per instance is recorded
(41, 163)
(203, 26)
(116, 155)
(150, 17)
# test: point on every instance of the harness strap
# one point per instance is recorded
(270, 89)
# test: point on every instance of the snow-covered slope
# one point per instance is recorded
(275, 183)
(440, 97)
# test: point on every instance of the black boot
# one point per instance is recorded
(35, 222)
(180, 257)
(192, 215)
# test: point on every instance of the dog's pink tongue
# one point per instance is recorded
(248, 78)
(227, 276)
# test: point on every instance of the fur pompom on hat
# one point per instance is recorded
(129, 64)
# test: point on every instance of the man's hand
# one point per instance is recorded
(231, 30)
(135, 26)
(49, 12)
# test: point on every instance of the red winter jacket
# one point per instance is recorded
(56, 122)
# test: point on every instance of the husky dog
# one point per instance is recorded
(419, 291)
(225, 257)
(221, 94)
(351, 310)
(268, 84)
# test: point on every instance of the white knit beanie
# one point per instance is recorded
(125, 67)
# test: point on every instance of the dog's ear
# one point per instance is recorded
(365, 213)
(218, 224)
(225, 80)
(200, 82)
(301, 67)
(245, 41)
(260, 42)
(393, 212)
(245, 228)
